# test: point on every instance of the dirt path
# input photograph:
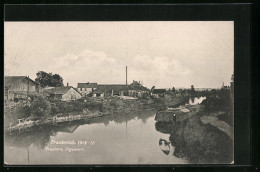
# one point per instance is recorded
(223, 126)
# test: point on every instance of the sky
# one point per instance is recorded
(163, 54)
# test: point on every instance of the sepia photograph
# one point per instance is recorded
(118, 92)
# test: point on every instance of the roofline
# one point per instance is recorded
(75, 89)
(34, 81)
(114, 84)
(62, 87)
(25, 77)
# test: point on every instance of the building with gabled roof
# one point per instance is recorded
(19, 87)
(63, 93)
(159, 92)
(86, 88)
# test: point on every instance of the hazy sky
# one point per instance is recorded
(164, 54)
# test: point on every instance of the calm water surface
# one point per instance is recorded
(196, 100)
(115, 139)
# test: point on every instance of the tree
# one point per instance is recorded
(40, 107)
(47, 79)
(57, 80)
(173, 89)
(43, 78)
(192, 88)
(152, 88)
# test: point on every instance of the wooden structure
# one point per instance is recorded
(19, 87)
(63, 93)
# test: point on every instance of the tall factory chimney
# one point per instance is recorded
(126, 75)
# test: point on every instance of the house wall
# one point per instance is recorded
(56, 97)
(135, 93)
(71, 95)
(155, 95)
(23, 86)
(86, 91)
(98, 95)
(39, 88)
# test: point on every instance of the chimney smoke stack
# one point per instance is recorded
(126, 75)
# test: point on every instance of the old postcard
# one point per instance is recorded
(124, 92)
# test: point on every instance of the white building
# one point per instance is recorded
(86, 88)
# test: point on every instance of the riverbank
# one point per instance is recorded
(197, 139)
(85, 109)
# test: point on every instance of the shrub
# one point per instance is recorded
(21, 112)
(218, 100)
(54, 109)
(40, 107)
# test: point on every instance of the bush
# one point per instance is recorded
(21, 112)
(40, 107)
(54, 109)
(218, 100)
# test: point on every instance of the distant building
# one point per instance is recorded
(137, 90)
(224, 86)
(48, 87)
(86, 88)
(98, 93)
(102, 90)
(158, 92)
(134, 90)
(16, 87)
(110, 90)
(63, 93)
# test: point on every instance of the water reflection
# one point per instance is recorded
(119, 139)
(196, 100)
(164, 146)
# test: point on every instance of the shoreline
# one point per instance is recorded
(110, 105)
(65, 118)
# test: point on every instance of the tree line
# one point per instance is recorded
(49, 79)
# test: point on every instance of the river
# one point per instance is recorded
(115, 139)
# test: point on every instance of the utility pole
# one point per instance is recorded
(126, 75)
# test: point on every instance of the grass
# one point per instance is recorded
(227, 117)
(197, 142)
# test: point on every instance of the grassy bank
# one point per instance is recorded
(200, 142)
(197, 142)
(43, 108)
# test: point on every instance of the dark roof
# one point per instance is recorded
(59, 90)
(87, 85)
(157, 91)
(98, 91)
(138, 88)
(101, 88)
(115, 87)
(10, 80)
